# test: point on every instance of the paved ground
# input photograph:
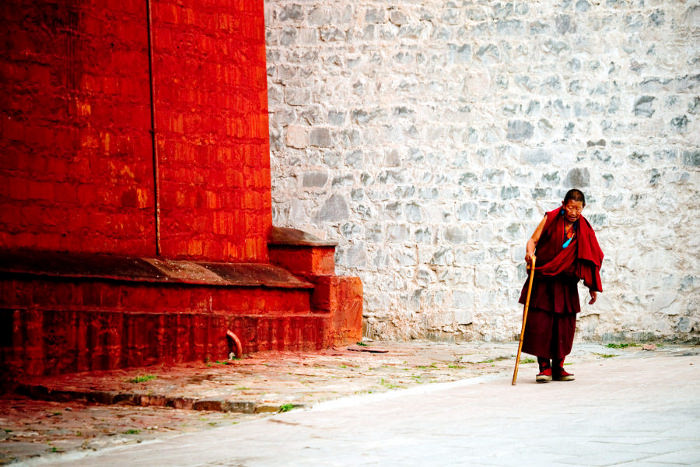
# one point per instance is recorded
(628, 407)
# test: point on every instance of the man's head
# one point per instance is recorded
(573, 204)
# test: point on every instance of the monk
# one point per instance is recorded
(567, 251)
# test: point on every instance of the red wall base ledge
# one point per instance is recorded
(62, 312)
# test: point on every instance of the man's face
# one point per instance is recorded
(572, 210)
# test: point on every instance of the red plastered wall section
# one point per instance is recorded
(212, 127)
(75, 151)
(76, 161)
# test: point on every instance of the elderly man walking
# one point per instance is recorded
(567, 251)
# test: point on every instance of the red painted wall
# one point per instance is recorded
(76, 160)
(211, 108)
(75, 171)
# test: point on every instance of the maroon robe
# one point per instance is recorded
(554, 302)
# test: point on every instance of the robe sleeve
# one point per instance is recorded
(590, 257)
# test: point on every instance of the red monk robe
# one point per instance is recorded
(554, 301)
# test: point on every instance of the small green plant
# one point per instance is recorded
(527, 360)
(388, 385)
(455, 366)
(623, 345)
(361, 344)
(286, 407)
(142, 378)
(431, 366)
(132, 431)
(606, 355)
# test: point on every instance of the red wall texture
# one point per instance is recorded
(211, 109)
(76, 155)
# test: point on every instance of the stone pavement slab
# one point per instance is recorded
(639, 408)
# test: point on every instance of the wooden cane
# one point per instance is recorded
(522, 332)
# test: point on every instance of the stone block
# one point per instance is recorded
(519, 130)
(294, 95)
(691, 158)
(320, 137)
(578, 178)
(314, 179)
(297, 137)
(643, 106)
(334, 209)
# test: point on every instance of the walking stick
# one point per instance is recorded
(522, 332)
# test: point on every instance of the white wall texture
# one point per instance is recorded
(429, 137)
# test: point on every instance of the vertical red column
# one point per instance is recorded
(211, 115)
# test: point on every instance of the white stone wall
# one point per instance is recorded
(429, 137)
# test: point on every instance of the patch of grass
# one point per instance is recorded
(388, 385)
(361, 344)
(225, 362)
(527, 360)
(142, 378)
(286, 407)
(431, 366)
(242, 388)
(455, 366)
(605, 355)
(212, 423)
(131, 431)
(623, 345)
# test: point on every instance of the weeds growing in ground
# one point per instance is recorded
(432, 366)
(605, 355)
(286, 407)
(142, 378)
(623, 345)
(131, 431)
(388, 385)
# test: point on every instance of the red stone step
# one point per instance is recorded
(63, 312)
